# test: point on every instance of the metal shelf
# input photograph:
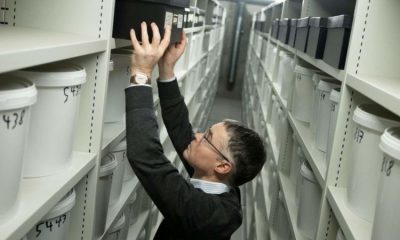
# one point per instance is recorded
(37, 47)
(353, 227)
(38, 196)
(384, 91)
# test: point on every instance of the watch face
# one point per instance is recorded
(141, 79)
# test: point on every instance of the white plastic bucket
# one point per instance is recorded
(55, 225)
(118, 80)
(334, 108)
(313, 121)
(370, 122)
(283, 231)
(302, 94)
(288, 79)
(116, 230)
(118, 176)
(294, 166)
(16, 97)
(386, 221)
(323, 116)
(53, 117)
(109, 163)
(340, 235)
(309, 204)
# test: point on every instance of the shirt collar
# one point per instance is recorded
(209, 187)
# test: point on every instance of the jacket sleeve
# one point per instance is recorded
(177, 199)
(176, 119)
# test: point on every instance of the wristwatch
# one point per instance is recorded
(140, 78)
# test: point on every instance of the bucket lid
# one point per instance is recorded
(390, 142)
(335, 95)
(120, 147)
(375, 117)
(340, 235)
(16, 92)
(58, 74)
(327, 84)
(109, 163)
(63, 206)
(303, 70)
(306, 172)
(118, 225)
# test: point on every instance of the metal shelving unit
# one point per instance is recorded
(370, 75)
(34, 34)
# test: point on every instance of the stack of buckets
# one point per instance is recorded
(43, 101)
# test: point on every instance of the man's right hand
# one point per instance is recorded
(171, 56)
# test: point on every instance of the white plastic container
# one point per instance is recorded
(53, 117)
(127, 213)
(16, 97)
(119, 152)
(386, 220)
(334, 108)
(370, 122)
(309, 204)
(56, 224)
(323, 117)
(118, 80)
(109, 163)
(302, 94)
(288, 79)
(315, 103)
(340, 235)
(115, 231)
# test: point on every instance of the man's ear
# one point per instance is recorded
(223, 167)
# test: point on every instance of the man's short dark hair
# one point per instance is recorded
(248, 152)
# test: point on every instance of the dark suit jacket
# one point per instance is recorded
(189, 213)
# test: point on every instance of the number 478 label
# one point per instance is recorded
(13, 119)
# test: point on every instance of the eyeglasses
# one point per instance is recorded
(205, 137)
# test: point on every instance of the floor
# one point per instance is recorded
(224, 108)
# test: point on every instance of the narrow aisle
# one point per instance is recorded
(225, 108)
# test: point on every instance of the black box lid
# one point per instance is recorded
(284, 22)
(318, 22)
(293, 22)
(174, 3)
(303, 22)
(341, 21)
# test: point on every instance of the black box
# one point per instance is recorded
(200, 17)
(302, 34)
(317, 37)
(131, 13)
(275, 28)
(292, 34)
(337, 40)
(284, 30)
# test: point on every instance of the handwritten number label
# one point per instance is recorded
(14, 119)
(387, 166)
(58, 222)
(70, 92)
(358, 135)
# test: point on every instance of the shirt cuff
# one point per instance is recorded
(167, 80)
(136, 85)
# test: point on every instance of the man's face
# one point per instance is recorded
(203, 155)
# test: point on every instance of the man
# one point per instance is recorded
(218, 161)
